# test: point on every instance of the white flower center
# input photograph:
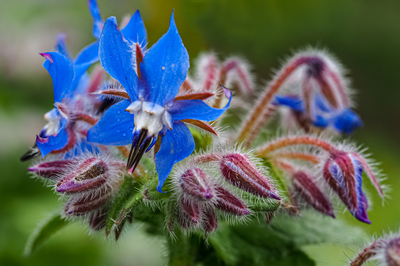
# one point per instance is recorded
(150, 116)
(53, 125)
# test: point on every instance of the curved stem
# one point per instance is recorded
(270, 147)
(367, 253)
(266, 98)
(297, 156)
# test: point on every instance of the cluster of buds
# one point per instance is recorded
(88, 182)
(341, 167)
(385, 251)
(202, 193)
(210, 73)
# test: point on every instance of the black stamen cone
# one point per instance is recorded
(137, 151)
(33, 152)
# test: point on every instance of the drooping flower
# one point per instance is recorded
(151, 110)
(343, 173)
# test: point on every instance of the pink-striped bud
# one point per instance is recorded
(51, 170)
(307, 190)
(240, 171)
(90, 174)
(343, 173)
(194, 183)
(230, 203)
(84, 204)
(210, 221)
(190, 214)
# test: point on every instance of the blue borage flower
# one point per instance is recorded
(343, 120)
(151, 110)
(134, 31)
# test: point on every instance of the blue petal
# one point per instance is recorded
(135, 31)
(176, 145)
(82, 84)
(61, 47)
(294, 103)
(82, 148)
(362, 204)
(115, 127)
(61, 71)
(322, 104)
(97, 20)
(196, 109)
(347, 121)
(165, 66)
(88, 55)
(117, 57)
(321, 121)
(53, 142)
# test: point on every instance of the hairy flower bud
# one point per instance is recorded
(84, 204)
(306, 188)
(98, 219)
(194, 183)
(393, 252)
(343, 173)
(90, 174)
(50, 170)
(230, 203)
(240, 171)
(210, 221)
(190, 214)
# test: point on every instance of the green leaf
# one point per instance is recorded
(201, 139)
(46, 229)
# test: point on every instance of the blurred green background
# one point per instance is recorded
(363, 34)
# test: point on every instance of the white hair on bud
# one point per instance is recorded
(240, 74)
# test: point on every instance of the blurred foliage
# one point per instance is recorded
(362, 34)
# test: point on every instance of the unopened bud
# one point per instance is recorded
(190, 213)
(98, 219)
(210, 221)
(51, 170)
(306, 188)
(230, 203)
(343, 173)
(84, 204)
(241, 172)
(393, 252)
(90, 174)
(194, 183)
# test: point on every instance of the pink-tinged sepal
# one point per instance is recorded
(229, 203)
(343, 173)
(392, 252)
(240, 171)
(210, 221)
(190, 214)
(195, 184)
(90, 174)
(51, 170)
(84, 204)
(98, 219)
(305, 188)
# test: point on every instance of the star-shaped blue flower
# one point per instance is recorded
(152, 111)
(343, 120)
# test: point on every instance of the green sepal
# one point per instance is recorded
(269, 205)
(44, 231)
(202, 140)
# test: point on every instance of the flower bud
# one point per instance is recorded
(190, 212)
(393, 252)
(306, 188)
(194, 183)
(343, 173)
(98, 219)
(51, 170)
(241, 172)
(84, 204)
(230, 203)
(90, 174)
(210, 221)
